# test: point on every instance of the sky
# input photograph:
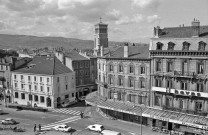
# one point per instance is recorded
(128, 20)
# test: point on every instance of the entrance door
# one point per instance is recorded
(48, 102)
(58, 102)
(170, 126)
(154, 122)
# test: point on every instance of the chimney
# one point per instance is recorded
(195, 28)
(157, 31)
(101, 51)
(126, 50)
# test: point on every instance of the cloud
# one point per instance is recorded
(113, 15)
(126, 20)
(150, 4)
(152, 18)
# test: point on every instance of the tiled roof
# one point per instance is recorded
(137, 51)
(74, 55)
(44, 65)
(182, 32)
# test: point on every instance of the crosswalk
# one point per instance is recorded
(51, 125)
(66, 111)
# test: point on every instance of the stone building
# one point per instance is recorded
(179, 69)
(43, 82)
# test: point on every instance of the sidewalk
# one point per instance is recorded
(131, 128)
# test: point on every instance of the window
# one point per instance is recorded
(184, 85)
(169, 66)
(159, 46)
(30, 87)
(29, 78)
(87, 73)
(131, 82)
(142, 84)
(16, 95)
(75, 65)
(111, 68)
(142, 70)
(15, 85)
(120, 81)
(23, 95)
(198, 106)
(47, 80)
(81, 72)
(36, 98)
(110, 80)
(66, 96)
(181, 104)
(42, 99)
(48, 89)
(35, 78)
(158, 82)
(140, 99)
(22, 78)
(35, 87)
(171, 46)
(30, 97)
(169, 84)
(120, 68)
(22, 86)
(131, 69)
(86, 64)
(99, 66)
(184, 67)
(41, 79)
(57, 79)
(41, 88)
(15, 77)
(72, 94)
(199, 87)
(157, 100)
(66, 87)
(158, 66)
(168, 102)
(200, 68)
(185, 46)
(202, 46)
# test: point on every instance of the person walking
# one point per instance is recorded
(34, 128)
(39, 127)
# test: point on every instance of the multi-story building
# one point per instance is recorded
(179, 69)
(43, 82)
(85, 70)
(7, 64)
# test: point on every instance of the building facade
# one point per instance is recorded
(179, 69)
(124, 77)
(43, 82)
(85, 69)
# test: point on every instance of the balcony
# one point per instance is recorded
(184, 74)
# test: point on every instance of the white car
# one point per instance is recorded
(96, 127)
(63, 128)
(9, 121)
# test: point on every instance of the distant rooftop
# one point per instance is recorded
(74, 55)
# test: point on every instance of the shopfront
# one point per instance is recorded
(192, 131)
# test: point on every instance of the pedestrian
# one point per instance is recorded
(39, 127)
(35, 128)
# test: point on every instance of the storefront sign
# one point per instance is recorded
(187, 93)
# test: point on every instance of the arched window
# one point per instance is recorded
(120, 80)
(111, 67)
(110, 79)
(202, 46)
(131, 82)
(171, 46)
(185, 46)
(159, 46)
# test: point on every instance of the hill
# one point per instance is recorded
(26, 41)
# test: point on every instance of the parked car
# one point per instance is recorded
(96, 127)
(1, 112)
(110, 132)
(63, 128)
(9, 121)
(69, 101)
(82, 98)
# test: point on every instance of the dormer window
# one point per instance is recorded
(185, 46)
(201, 46)
(159, 46)
(171, 46)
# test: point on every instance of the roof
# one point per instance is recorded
(44, 65)
(182, 32)
(137, 51)
(74, 55)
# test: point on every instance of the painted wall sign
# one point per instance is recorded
(188, 93)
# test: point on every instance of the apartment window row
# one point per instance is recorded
(81, 64)
(131, 68)
(35, 87)
(30, 97)
(22, 77)
(185, 47)
(4, 67)
(184, 66)
(131, 82)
